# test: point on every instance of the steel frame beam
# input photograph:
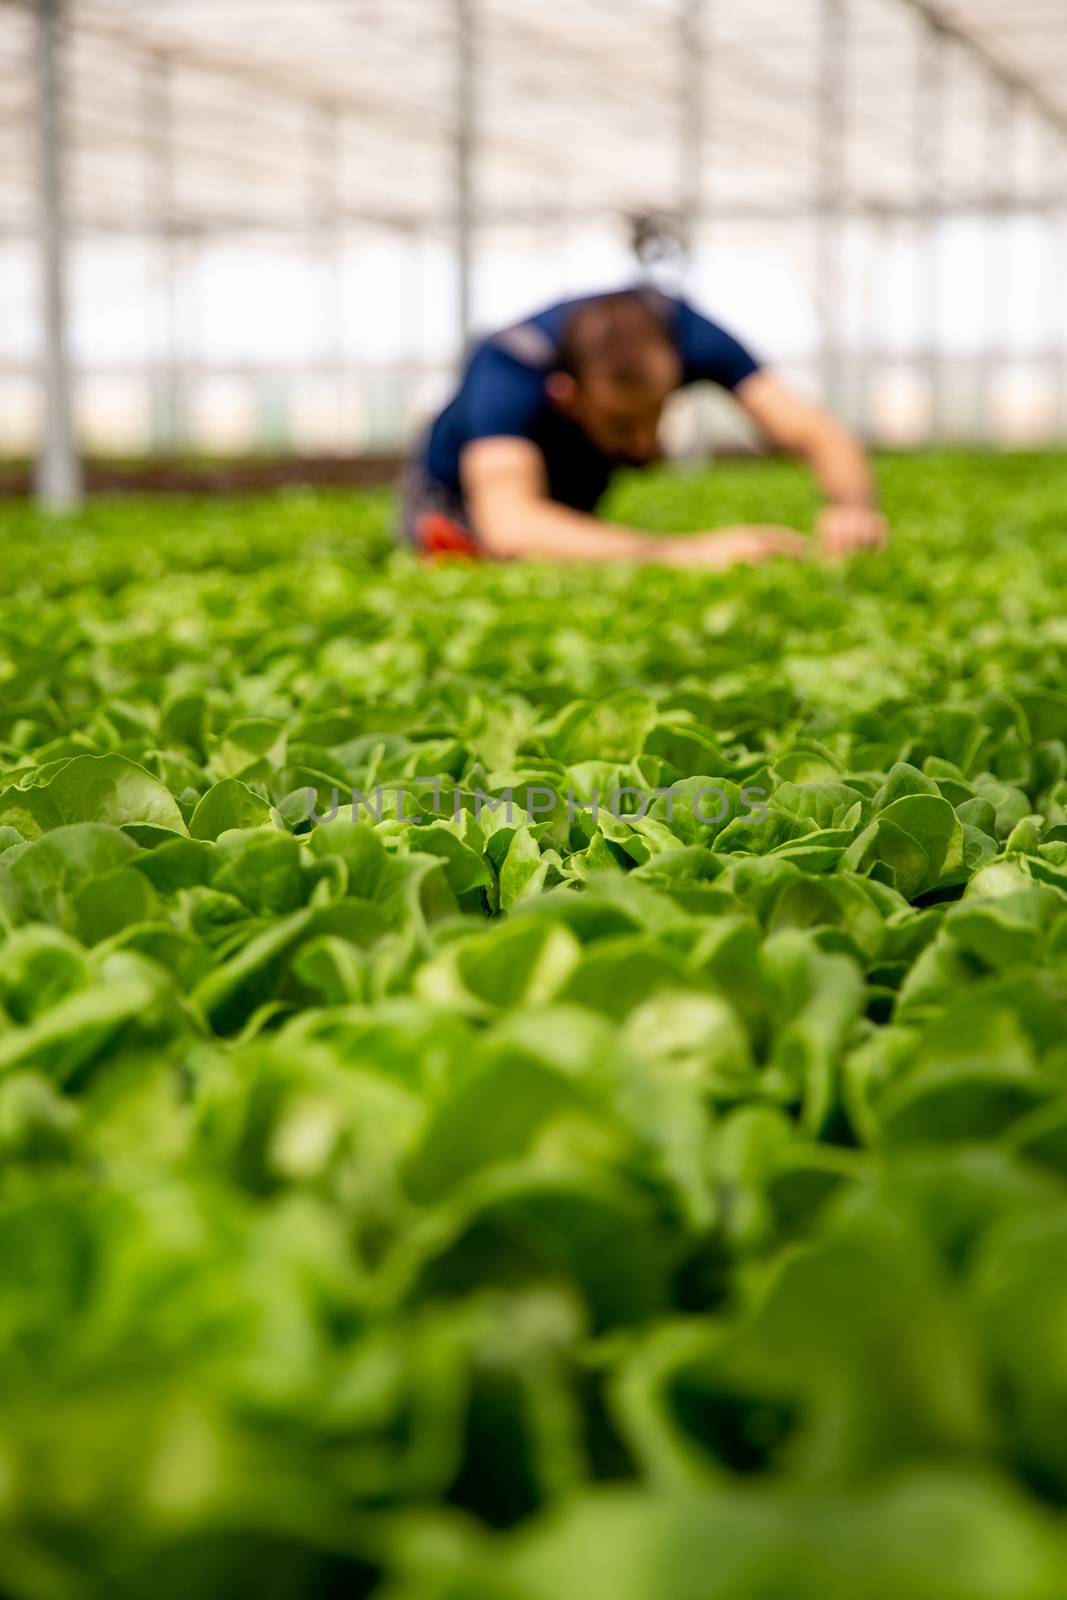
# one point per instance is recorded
(692, 131)
(929, 162)
(465, 153)
(158, 136)
(853, 208)
(59, 486)
(989, 61)
(831, 191)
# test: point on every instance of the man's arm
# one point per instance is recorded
(851, 519)
(506, 489)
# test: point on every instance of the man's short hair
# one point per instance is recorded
(617, 337)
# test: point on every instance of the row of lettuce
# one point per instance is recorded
(624, 1156)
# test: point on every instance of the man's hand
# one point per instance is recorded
(845, 529)
(728, 547)
(507, 492)
(851, 521)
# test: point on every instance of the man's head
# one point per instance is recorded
(617, 367)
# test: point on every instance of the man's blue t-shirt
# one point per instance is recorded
(503, 394)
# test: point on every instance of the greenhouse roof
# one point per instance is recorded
(235, 115)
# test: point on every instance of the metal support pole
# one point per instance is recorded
(59, 485)
(1054, 165)
(466, 135)
(414, 345)
(832, 132)
(1001, 184)
(158, 125)
(929, 162)
(993, 185)
(881, 233)
(325, 244)
(691, 132)
(323, 212)
(695, 21)
(1061, 319)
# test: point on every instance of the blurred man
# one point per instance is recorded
(547, 410)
